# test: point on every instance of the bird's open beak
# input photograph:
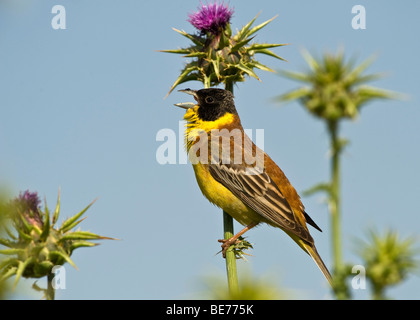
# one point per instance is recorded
(187, 105)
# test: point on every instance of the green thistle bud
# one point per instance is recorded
(36, 245)
(388, 259)
(334, 89)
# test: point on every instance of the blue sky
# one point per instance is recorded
(80, 109)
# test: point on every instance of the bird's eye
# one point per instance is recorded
(209, 99)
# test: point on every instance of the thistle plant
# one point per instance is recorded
(34, 245)
(334, 90)
(216, 56)
(388, 260)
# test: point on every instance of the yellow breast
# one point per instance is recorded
(220, 196)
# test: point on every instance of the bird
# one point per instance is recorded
(237, 176)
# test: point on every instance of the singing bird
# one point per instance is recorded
(237, 176)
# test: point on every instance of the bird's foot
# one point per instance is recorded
(226, 243)
(238, 245)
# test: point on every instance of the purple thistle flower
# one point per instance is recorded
(212, 17)
(28, 204)
(29, 200)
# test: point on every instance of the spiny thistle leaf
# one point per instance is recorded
(357, 71)
(259, 27)
(46, 228)
(320, 187)
(12, 251)
(10, 269)
(260, 66)
(196, 54)
(269, 53)
(197, 41)
(81, 243)
(262, 46)
(311, 61)
(9, 272)
(9, 233)
(6, 243)
(82, 235)
(294, 94)
(177, 51)
(64, 256)
(216, 67)
(243, 33)
(184, 75)
(367, 93)
(72, 222)
(38, 288)
(21, 269)
(57, 209)
(366, 78)
(299, 76)
(247, 70)
(340, 145)
(240, 45)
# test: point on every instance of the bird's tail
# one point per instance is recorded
(311, 250)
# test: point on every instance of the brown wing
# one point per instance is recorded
(258, 191)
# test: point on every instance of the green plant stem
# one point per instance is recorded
(229, 86)
(228, 232)
(335, 195)
(340, 287)
(231, 269)
(50, 294)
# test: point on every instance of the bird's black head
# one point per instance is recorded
(213, 103)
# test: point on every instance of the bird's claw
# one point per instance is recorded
(226, 243)
(238, 246)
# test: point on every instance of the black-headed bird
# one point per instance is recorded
(237, 176)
